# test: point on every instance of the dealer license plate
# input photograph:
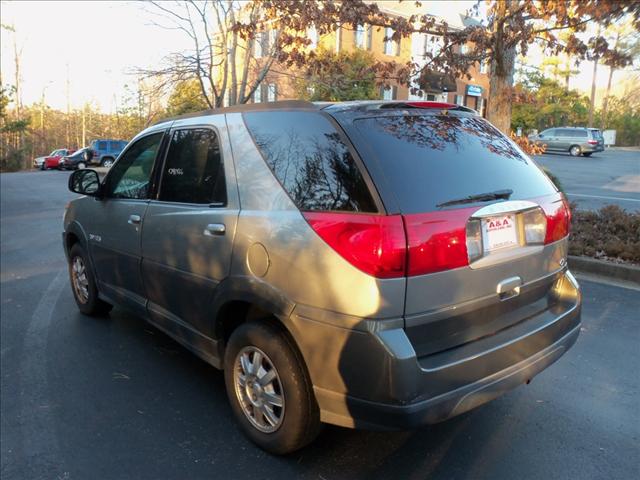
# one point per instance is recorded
(499, 232)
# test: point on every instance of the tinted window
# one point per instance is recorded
(130, 175)
(193, 171)
(102, 145)
(115, 146)
(430, 159)
(597, 134)
(570, 132)
(309, 158)
(549, 133)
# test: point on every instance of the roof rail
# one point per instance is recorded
(247, 107)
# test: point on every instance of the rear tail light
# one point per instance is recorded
(592, 142)
(394, 246)
(558, 218)
(375, 244)
(437, 241)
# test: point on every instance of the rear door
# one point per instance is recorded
(189, 228)
(115, 224)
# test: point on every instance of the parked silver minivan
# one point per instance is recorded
(575, 140)
(376, 265)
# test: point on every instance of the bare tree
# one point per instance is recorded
(228, 65)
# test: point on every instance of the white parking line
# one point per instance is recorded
(603, 197)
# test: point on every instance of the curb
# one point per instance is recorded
(619, 271)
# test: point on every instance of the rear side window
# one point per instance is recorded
(310, 159)
(193, 171)
(428, 160)
(569, 132)
(102, 145)
(115, 146)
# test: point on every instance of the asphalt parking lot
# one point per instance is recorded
(609, 177)
(114, 398)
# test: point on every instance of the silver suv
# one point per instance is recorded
(575, 140)
(370, 264)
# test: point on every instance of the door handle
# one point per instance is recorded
(134, 219)
(214, 229)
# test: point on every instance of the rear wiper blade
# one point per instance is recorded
(480, 197)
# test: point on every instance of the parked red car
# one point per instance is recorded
(53, 160)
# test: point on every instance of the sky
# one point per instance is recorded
(103, 41)
(99, 41)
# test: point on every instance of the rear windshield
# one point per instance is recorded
(428, 160)
(596, 134)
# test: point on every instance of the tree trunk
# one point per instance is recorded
(502, 71)
(605, 104)
(603, 121)
(592, 106)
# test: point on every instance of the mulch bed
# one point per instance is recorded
(610, 233)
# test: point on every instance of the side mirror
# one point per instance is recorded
(85, 182)
(540, 136)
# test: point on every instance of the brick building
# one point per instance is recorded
(473, 92)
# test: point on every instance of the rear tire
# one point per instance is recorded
(257, 352)
(575, 150)
(83, 284)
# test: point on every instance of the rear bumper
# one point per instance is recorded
(592, 148)
(382, 384)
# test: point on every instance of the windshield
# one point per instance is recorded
(429, 160)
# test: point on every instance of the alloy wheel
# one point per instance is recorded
(79, 280)
(258, 389)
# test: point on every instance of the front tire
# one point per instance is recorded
(269, 389)
(107, 162)
(575, 150)
(83, 284)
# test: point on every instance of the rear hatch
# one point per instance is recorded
(596, 136)
(486, 229)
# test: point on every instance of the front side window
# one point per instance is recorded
(102, 145)
(130, 176)
(310, 159)
(193, 171)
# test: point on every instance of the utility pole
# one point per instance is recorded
(68, 144)
(84, 127)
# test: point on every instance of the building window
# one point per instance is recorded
(464, 49)
(458, 99)
(483, 66)
(432, 46)
(482, 104)
(338, 38)
(271, 92)
(259, 44)
(272, 40)
(431, 97)
(312, 33)
(391, 47)
(257, 94)
(390, 93)
(362, 37)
